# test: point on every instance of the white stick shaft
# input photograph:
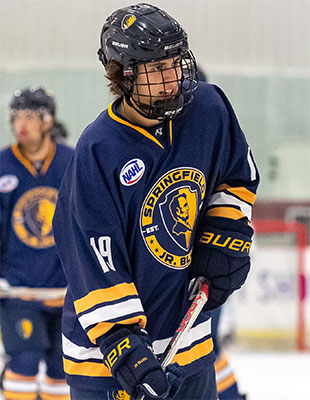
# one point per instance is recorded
(186, 324)
(39, 294)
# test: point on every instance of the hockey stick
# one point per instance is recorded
(186, 324)
(38, 294)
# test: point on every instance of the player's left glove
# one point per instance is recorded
(128, 354)
(221, 255)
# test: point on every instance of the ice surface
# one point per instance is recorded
(272, 375)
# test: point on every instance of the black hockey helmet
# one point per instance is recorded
(33, 98)
(144, 33)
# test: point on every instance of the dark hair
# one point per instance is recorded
(114, 73)
(58, 132)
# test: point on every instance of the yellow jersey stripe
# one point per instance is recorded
(9, 395)
(193, 354)
(225, 212)
(241, 192)
(220, 364)
(102, 327)
(86, 368)
(104, 295)
(135, 127)
(226, 382)
(13, 376)
(170, 130)
(48, 159)
(50, 396)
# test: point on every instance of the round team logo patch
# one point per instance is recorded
(132, 172)
(32, 217)
(169, 213)
(8, 183)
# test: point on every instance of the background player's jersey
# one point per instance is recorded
(130, 201)
(27, 199)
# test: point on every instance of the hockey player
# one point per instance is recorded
(164, 170)
(30, 174)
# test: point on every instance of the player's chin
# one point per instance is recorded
(165, 100)
(169, 97)
(22, 139)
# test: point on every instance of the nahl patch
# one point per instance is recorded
(132, 172)
(8, 183)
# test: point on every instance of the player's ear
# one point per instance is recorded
(48, 121)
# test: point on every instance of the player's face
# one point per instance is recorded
(158, 81)
(28, 128)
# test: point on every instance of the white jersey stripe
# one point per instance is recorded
(224, 373)
(19, 386)
(113, 311)
(58, 389)
(222, 198)
(71, 349)
(251, 165)
(194, 334)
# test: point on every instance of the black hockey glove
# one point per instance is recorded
(128, 354)
(221, 255)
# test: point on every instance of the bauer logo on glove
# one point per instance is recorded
(222, 240)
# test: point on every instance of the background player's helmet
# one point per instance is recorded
(140, 34)
(33, 98)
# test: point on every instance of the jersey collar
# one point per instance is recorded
(137, 128)
(27, 163)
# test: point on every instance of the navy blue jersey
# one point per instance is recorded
(125, 221)
(27, 199)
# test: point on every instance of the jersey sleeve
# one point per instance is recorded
(235, 190)
(90, 239)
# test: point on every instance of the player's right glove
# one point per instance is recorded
(128, 354)
(221, 255)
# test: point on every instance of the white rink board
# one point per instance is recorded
(269, 298)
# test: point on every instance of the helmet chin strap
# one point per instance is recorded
(160, 110)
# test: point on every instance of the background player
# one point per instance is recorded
(30, 174)
(128, 271)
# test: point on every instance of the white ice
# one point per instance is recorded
(272, 375)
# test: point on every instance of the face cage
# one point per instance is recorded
(182, 75)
